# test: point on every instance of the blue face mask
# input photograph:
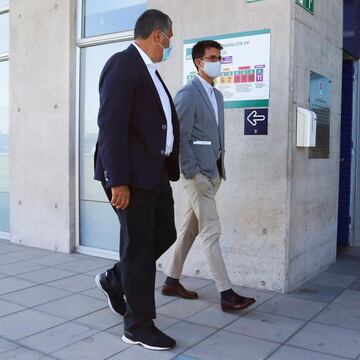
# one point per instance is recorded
(166, 51)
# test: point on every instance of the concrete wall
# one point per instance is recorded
(42, 123)
(253, 202)
(315, 182)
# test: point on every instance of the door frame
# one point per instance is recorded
(354, 231)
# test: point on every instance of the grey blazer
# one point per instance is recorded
(201, 139)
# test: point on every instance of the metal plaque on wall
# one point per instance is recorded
(320, 103)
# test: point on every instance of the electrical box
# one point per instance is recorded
(306, 128)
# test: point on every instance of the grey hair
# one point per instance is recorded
(150, 21)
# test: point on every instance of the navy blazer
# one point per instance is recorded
(132, 126)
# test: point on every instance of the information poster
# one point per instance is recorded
(245, 71)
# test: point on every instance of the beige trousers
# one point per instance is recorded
(201, 218)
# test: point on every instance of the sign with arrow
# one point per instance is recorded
(256, 121)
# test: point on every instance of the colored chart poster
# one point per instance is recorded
(245, 71)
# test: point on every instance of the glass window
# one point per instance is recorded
(104, 17)
(4, 3)
(4, 146)
(99, 226)
(4, 32)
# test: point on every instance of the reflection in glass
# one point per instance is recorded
(104, 17)
(4, 33)
(4, 146)
(93, 60)
(96, 214)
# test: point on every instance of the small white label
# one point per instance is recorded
(201, 142)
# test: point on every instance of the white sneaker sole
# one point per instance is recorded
(98, 284)
(149, 347)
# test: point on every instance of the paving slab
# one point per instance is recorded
(344, 311)
(355, 285)
(85, 265)
(95, 293)
(24, 354)
(26, 323)
(56, 259)
(7, 308)
(97, 347)
(76, 283)
(100, 320)
(182, 308)
(345, 264)
(20, 267)
(10, 284)
(162, 299)
(317, 292)
(231, 346)
(187, 334)
(292, 307)
(266, 326)
(57, 337)
(72, 307)
(213, 316)
(292, 353)
(6, 345)
(333, 279)
(328, 339)
(139, 353)
(46, 275)
(35, 295)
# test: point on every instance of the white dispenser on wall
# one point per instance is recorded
(306, 128)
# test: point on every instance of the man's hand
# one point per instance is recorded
(120, 197)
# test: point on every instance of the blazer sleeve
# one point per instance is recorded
(117, 90)
(185, 108)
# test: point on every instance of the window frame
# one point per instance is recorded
(81, 43)
(4, 56)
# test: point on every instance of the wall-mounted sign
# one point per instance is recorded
(307, 4)
(320, 103)
(256, 121)
(245, 72)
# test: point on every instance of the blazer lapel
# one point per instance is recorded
(173, 110)
(220, 104)
(205, 96)
(147, 75)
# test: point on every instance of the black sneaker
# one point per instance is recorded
(117, 304)
(150, 337)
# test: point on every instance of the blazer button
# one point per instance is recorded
(162, 152)
(163, 127)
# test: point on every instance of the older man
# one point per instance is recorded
(137, 155)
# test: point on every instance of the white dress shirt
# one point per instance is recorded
(211, 93)
(152, 67)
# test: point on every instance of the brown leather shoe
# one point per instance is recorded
(179, 291)
(237, 302)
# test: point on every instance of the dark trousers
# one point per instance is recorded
(147, 231)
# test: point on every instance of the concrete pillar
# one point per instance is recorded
(42, 123)
(314, 182)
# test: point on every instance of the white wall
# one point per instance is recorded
(42, 123)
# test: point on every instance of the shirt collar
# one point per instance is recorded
(148, 62)
(205, 83)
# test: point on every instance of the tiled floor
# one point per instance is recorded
(50, 308)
